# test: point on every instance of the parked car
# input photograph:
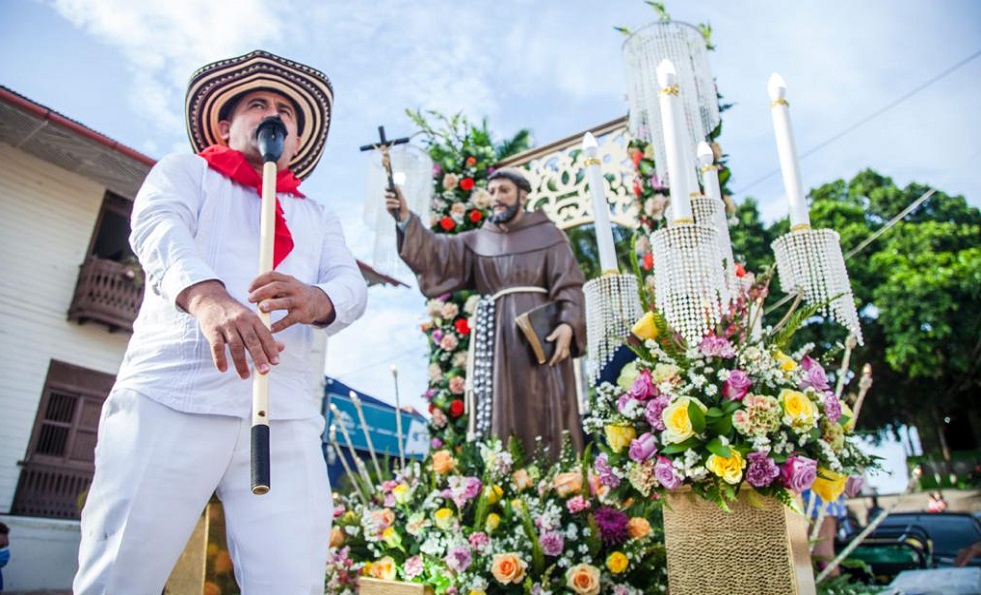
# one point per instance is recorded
(914, 540)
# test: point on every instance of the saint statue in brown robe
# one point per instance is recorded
(524, 260)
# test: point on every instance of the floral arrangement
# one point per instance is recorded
(482, 521)
(734, 410)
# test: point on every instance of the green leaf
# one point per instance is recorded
(714, 412)
(722, 426)
(697, 417)
(677, 447)
(716, 447)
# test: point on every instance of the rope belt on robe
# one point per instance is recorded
(480, 361)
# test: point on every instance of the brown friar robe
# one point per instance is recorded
(529, 399)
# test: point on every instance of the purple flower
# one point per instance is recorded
(736, 385)
(853, 485)
(605, 472)
(612, 525)
(798, 473)
(762, 470)
(552, 543)
(577, 504)
(814, 375)
(643, 387)
(653, 410)
(413, 567)
(458, 558)
(431, 393)
(472, 488)
(478, 541)
(643, 447)
(437, 169)
(437, 336)
(832, 407)
(716, 346)
(665, 475)
(436, 443)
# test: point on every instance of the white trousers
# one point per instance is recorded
(156, 469)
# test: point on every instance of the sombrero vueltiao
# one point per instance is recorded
(214, 85)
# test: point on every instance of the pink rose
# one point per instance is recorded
(798, 473)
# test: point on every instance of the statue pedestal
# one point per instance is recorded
(757, 549)
(374, 586)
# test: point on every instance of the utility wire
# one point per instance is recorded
(864, 120)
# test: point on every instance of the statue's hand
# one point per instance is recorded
(562, 337)
(395, 204)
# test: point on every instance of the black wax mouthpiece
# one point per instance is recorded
(270, 135)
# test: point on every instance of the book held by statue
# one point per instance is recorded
(536, 324)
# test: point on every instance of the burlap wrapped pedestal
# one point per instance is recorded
(756, 549)
(373, 586)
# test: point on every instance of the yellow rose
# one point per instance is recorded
(521, 480)
(443, 518)
(644, 328)
(617, 562)
(787, 363)
(728, 468)
(846, 412)
(620, 437)
(337, 537)
(493, 494)
(383, 569)
(584, 579)
(638, 527)
(828, 484)
(443, 462)
(567, 484)
(799, 408)
(391, 537)
(677, 424)
(493, 520)
(508, 568)
(401, 493)
(477, 592)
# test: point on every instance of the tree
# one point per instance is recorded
(918, 292)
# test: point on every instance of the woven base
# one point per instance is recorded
(373, 586)
(752, 550)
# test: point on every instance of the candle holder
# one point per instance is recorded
(612, 307)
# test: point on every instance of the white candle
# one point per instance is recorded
(710, 173)
(787, 152)
(601, 207)
(667, 78)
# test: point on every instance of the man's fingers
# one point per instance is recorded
(272, 289)
(237, 348)
(267, 278)
(283, 303)
(284, 323)
(218, 353)
(256, 350)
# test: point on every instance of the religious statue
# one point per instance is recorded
(518, 260)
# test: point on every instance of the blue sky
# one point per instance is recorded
(120, 67)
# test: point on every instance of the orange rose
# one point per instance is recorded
(382, 519)
(521, 480)
(508, 568)
(583, 579)
(443, 462)
(567, 484)
(638, 527)
(383, 569)
(336, 537)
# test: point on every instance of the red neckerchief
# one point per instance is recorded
(233, 165)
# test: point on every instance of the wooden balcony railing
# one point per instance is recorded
(106, 293)
(50, 491)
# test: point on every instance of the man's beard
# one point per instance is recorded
(506, 215)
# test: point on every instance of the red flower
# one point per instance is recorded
(740, 270)
(636, 157)
(649, 261)
(462, 326)
(476, 216)
(466, 184)
(637, 189)
(456, 408)
(471, 161)
(447, 223)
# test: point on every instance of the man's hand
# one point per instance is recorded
(226, 323)
(562, 336)
(304, 304)
(395, 202)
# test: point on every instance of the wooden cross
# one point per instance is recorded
(384, 145)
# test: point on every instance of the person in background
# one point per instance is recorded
(4, 550)
(936, 502)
